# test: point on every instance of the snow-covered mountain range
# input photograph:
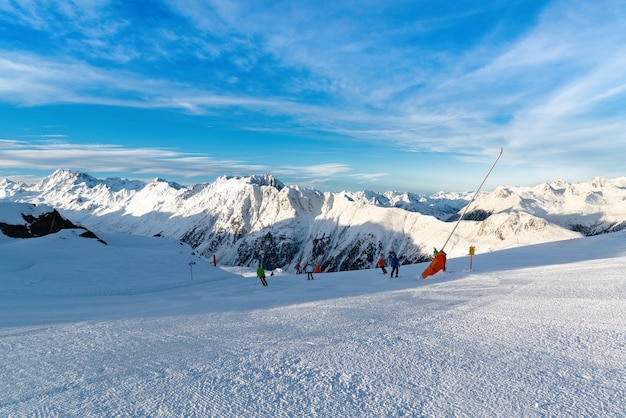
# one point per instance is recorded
(248, 220)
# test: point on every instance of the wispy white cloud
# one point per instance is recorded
(110, 158)
(318, 171)
(562, 82)
(570, 105)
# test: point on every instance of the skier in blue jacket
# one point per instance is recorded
(395, 265)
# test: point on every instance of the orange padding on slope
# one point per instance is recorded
(438, 263)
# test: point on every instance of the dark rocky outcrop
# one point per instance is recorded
(44, 224)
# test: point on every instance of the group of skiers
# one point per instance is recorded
(309, 269)
(395, 265)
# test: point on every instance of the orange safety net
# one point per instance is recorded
(438, 263)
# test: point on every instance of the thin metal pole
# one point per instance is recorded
(474, 197)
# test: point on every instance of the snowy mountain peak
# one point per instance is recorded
(559, 184)
(256, 179)
(171, 184)
(502, 193)
(597, 182)
(9, 188)
(67, 178)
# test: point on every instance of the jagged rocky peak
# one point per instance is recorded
(256, 179)
(172, 184)
(266, 180)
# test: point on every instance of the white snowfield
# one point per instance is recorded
(133, 329)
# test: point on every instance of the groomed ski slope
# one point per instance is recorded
(131, 329)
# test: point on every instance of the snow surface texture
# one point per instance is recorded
(133, 329)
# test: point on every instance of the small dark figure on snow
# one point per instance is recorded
(395, 265)
(381, 264)
(260, 272)
(298, 270)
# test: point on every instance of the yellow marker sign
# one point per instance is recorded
(472, 250)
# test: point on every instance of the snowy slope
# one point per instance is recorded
(132, 329)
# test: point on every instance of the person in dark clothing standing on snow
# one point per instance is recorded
(395, 265)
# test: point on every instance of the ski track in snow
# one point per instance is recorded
(534, 342)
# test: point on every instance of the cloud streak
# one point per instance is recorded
(110, 158)
(147, 162)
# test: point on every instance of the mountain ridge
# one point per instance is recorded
(249, 220)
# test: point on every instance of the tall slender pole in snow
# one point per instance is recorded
(474, 197)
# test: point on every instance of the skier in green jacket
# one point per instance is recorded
(260, 272)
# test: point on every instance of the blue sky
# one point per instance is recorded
(337, 95)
